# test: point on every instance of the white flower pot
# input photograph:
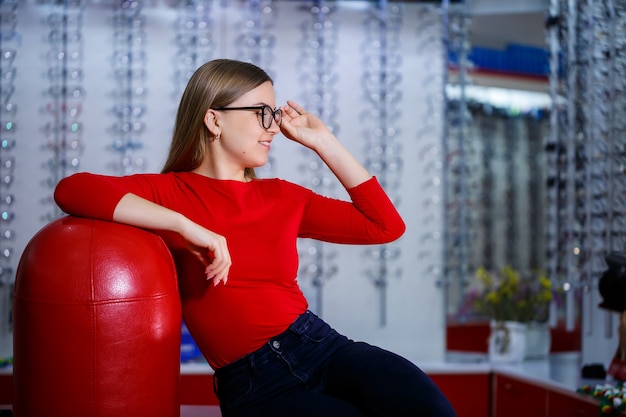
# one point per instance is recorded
(538, 340)
(507, 342)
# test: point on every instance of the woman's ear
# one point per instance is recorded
(211, 122)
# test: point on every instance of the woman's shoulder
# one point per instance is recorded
(271, 186)
(281, 184)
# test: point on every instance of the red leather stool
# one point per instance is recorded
(97, 323)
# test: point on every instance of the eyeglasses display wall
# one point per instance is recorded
(256, 42)
(455, 178)
(495, 179)
(319, 79)
(432, 19)
(129, 64)
(194, 42)
(63, 128)
(10, 43)
(587, 147)
(383, 150)
(564, 211)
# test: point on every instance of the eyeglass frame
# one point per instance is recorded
(278, 112)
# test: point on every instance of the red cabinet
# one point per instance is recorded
(572, 405)
(515, 398)
(6, 388)
(468, 393)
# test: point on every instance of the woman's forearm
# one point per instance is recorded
(136, 211)
(342, 163)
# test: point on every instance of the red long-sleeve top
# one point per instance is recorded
(261, 221)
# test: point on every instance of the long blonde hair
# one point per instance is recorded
(215, 84)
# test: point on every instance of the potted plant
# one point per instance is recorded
(514, 302)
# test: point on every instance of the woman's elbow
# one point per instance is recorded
(62, 195)
(399, 230)
(393, 232)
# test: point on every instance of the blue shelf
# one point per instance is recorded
(514, 59)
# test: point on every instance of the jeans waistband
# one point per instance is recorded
(299, 326)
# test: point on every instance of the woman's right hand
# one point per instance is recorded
(210, 248)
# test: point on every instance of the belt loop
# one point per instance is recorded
(302, 323)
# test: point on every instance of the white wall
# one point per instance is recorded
(414, 310)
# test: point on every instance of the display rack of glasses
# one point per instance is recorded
(256, 44)
(433, 57)
(10, 42)
(587, 147)
(128, 64)
(494, 179)
(488, 176)
(194, 41)
(457, 122)
(537, 124)
(566, 180)
(506, 185)
(63, 129)
(383, 153)
(318, 78)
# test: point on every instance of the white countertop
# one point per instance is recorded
(559, 370)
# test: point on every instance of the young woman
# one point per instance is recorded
(233, 238)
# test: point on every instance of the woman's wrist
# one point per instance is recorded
(181, 224)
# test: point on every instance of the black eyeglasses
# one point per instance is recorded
(267, 114)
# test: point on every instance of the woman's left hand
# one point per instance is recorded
(308, 130)
(303, 127)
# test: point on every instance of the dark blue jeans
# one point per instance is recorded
(310, 370)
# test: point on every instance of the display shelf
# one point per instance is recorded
(497, 79)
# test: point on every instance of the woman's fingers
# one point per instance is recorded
(211, 249)
(292, 110)
(218, 268)
(295, 107)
